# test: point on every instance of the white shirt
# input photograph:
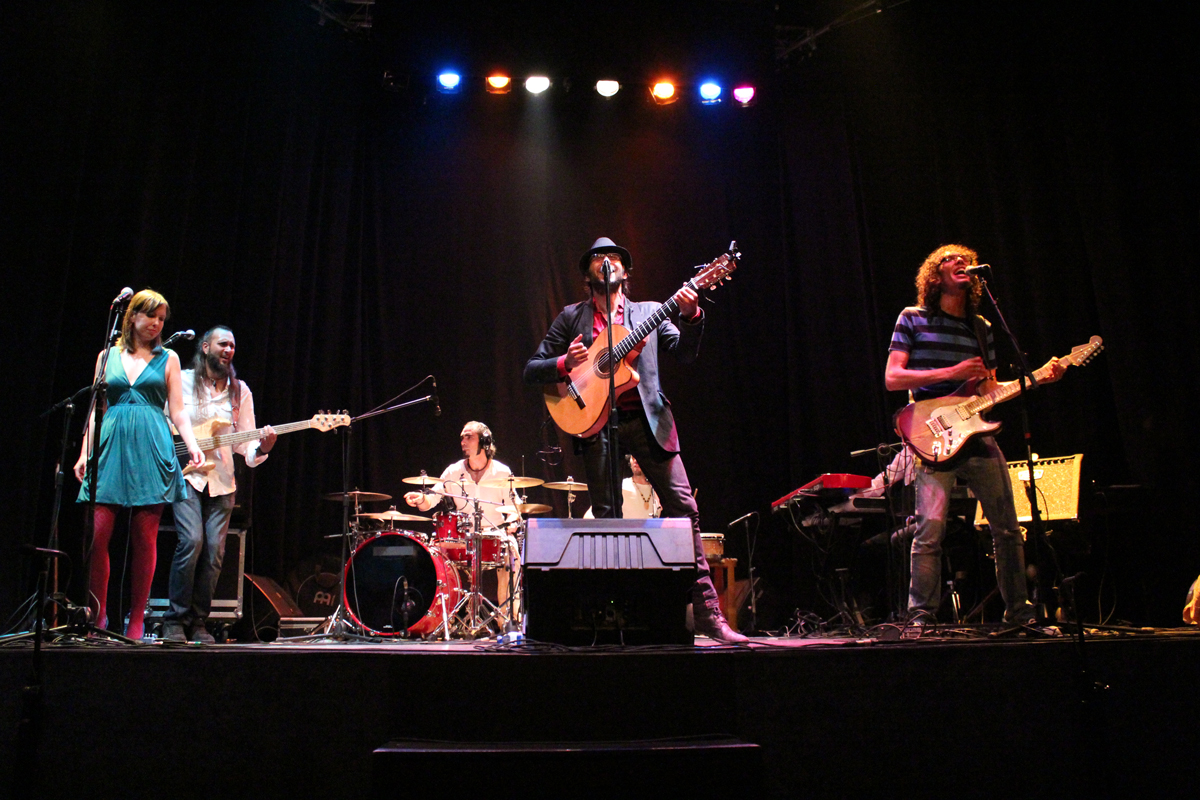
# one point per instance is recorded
(638, 501)
(215, 405)
(459, 481)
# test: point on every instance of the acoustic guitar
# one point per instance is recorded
(579, 402)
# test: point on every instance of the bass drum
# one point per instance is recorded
(378, 573)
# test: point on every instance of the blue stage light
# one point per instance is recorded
(710, 93)
(449, 82)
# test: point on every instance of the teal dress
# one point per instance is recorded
(138, 466)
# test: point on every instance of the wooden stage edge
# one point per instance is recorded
(1012, 717)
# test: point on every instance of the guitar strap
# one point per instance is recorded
(981, 338)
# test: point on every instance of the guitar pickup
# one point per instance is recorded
(574, 394)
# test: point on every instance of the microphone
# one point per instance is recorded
(980, 269)
(742, 518)
(189, 334)
(607, 267)
(437, 406)
(123, 297)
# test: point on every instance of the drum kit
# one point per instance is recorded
(404, 583)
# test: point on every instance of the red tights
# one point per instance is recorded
(143, 531)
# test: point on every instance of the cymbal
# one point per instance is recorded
(512, 481)
(359, 497)
(568, 486)
(526, 508)
(422, 480)
(393, 514)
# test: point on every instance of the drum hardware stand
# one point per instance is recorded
(480, 612)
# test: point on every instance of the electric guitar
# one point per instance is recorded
(579, 402)
(936, 429)
(209, 438)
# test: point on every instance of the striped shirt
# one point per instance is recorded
(934, 339)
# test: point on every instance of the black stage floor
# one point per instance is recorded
(832, 717)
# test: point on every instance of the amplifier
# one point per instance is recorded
(1057, 482)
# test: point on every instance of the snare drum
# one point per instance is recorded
(379, 570)
(714, 545)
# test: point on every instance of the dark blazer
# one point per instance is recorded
(683, 341)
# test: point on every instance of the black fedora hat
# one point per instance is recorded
(605, 245)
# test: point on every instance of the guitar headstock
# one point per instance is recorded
(1084, 353)
(718, 270)
(327, 422)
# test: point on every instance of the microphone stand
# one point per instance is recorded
(613, 444)
(336, 627)
(1044, 585)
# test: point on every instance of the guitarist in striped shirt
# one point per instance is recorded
(211, 392)
(936, 346)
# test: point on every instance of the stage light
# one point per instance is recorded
(449, 82)
(607, 88)
(499, 84)
(663, 93)
(710, 93)
(536, 84)
(744, 95)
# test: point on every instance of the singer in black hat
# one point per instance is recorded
(646, 426)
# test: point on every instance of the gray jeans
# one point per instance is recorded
(983, 469)
(202, 522)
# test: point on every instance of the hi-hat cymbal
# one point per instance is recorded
(567, 486)
(422, 480)
(526, 508)
(511, 482)
(359, 497)
(393, 515)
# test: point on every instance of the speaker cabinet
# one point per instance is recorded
(609, 581)
(1057, 482)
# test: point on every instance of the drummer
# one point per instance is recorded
(462, 478)
(460, 485)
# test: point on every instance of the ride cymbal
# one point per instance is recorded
(567, 486)
(526, 508)
(359, 497)
(511, 481)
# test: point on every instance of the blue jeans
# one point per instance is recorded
(983, 469)
(668, 477)
(202, 522)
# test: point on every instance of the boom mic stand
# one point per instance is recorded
(1041, 547)
(614, 426)
(338, 627)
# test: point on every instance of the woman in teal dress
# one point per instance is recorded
(137, 467)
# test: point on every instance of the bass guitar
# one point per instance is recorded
(209, 437)
(936, 429)
(579, 402)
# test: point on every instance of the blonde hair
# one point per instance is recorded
(146, 301)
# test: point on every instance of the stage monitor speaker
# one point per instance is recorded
(266, 603)
(1057, 482)
(609, 581)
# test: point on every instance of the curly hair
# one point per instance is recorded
(146, 301)
(929, 278)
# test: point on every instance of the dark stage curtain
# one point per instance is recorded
(251, 167)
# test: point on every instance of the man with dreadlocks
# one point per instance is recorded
(211, 391)
(936, 346)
